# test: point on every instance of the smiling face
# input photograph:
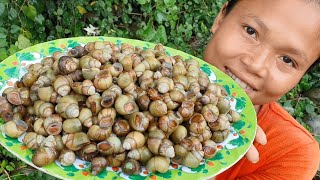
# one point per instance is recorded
(266, 45)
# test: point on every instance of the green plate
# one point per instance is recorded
(230, 151)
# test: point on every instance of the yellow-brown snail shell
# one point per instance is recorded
(193, 159)
(179, 134)
(47, 94)
(67, 107)
(94, 103)
(142, 154)
(33, 140)
(209, 148)
(98, 164)
(138, 121)
(87, 62)
(44, 156)
(103, 55)
(86, 87)
(131, 166)
(115, 69)
(115, 160)
(29, 78)
(221, 124)
(75, 141)
(112, 145)
(103, 80)
(121, 128)
(197, 124)
(170, 122)
(14, 128)
(133, 140)
(96, 133)
(125, 105)
(90, 73)
(39, 128)
(53, 124)
(158, 164)
(88, 152)
(67, 64)
(186, 109)
(43, 109)
(219, 136)
(62, 85)
(4, 105)
(158, 108)
(77, 52)
(67, 157)
(72, 125)
(85, 117)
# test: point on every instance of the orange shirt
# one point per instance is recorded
(291, 152)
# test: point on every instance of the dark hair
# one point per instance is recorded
(232, 3)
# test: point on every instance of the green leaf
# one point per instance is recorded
(23, 42)
(162, 35)
(3, 54)
(310, 109)
(59, 11)
(142, 2)
(30, 11)
(160, 16)
(3, 42)
(2, 7)
(39, 19)
(14, 28)
(149, 33)
(169, 2)
(13, 49)
(2, 35)
(317, 138)
(13, 14)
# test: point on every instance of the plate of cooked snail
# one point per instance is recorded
(116, 108)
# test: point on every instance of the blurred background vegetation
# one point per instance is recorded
(182, 25)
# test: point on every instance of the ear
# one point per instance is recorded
(219, 18)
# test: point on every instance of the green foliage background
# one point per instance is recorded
(183, 25)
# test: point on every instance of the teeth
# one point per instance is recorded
(241, 83)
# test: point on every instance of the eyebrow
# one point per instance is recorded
(297, 52)
(257, 20)
(263, 25)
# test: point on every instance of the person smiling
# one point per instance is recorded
(266, 46)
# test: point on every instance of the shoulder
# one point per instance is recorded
(289, 143)
(276, 121)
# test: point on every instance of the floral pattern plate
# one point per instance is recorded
(230, 151)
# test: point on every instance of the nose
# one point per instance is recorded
(256, 61)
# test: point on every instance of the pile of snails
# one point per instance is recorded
(120, 106)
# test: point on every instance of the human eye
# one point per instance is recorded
(287, 60)
(252, 32)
